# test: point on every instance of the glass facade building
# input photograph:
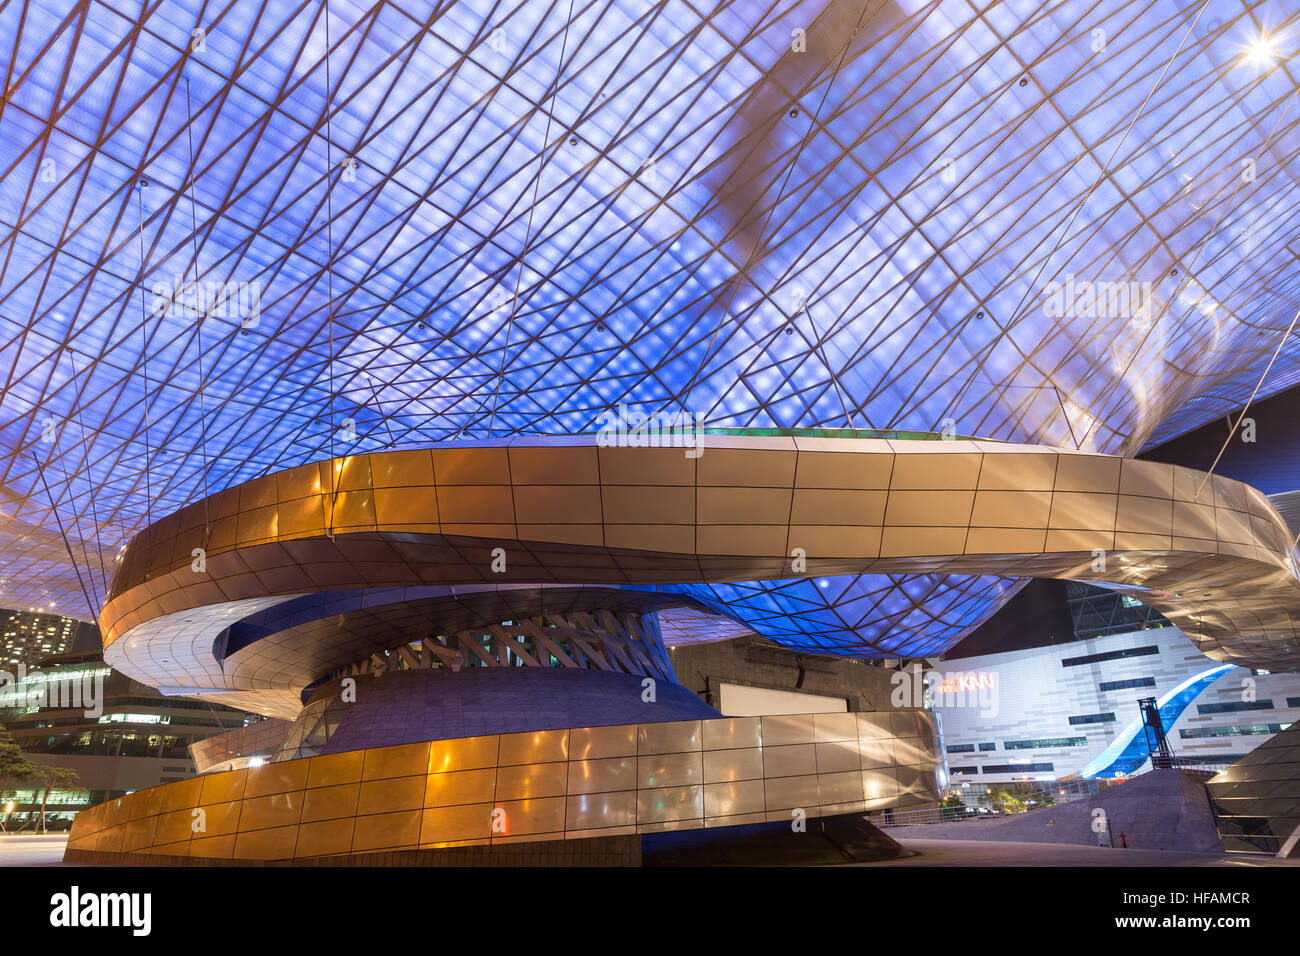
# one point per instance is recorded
(117, 734)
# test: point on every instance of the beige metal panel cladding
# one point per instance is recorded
(570, 512)
(554, 784)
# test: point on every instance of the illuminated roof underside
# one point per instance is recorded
(485, 221)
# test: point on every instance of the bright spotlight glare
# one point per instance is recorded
(1261, 51)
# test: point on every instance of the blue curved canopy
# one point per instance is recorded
(1130, 750)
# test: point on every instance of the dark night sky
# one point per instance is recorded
(1036, 617)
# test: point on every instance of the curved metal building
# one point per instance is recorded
(333, 328)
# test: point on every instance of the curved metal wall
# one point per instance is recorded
(545, 785)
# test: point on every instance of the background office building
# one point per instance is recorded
(135, 737)
(27, 637)
(1050, 711)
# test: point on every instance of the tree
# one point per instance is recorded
(950, 806)
(1032, 794)
(52, 777)
(15, 767)
(1004, 801)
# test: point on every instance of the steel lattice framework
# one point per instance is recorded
(468, 219)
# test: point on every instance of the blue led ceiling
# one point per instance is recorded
(473, 219)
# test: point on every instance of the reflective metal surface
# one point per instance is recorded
(1211, 555)
(1257, 799)
(517, 787)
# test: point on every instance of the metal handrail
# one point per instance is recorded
(1063, 791)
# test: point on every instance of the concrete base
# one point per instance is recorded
(847, 838)
(595, 851)
(1004, 853)
(1159, 810)
(826, 841)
